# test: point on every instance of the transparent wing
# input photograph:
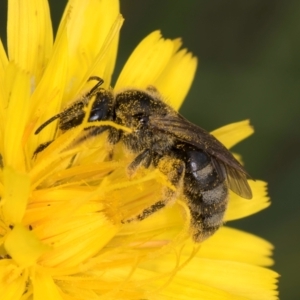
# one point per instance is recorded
(190, 133)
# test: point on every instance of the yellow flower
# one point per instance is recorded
(61, 211)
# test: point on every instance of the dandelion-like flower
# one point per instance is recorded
(61, 211)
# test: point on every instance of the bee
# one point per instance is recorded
(194, 161)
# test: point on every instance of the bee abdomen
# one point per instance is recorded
(207, 194)
(207, 211)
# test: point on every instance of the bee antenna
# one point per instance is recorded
(88, 95)
(47, 122)
(95, 88)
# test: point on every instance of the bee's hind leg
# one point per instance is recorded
(143, 159)
(173, 169)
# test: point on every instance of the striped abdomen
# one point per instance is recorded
(205, 189)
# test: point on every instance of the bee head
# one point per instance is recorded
(102, 107)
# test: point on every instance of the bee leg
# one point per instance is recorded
(40, 148)
(96, 87)
(143, 159)
(114, 136)
(174, 170)
(94, 131)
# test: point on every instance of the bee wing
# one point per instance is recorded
(238, 182)
(190, 133)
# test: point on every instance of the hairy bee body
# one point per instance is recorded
(193, 160)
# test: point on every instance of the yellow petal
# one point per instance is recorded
(251, 282)
(194, 290)
(76, 54)
(240, 247)
(147, 62)
(29, 35)
(15, 195)
(3, 100)
(239, 207)
(44, 287)
(47, 97)
(105, 61)
(176, 79)
(3, 62)
(69, 248)
(86, 39)
(13, 280)
(237, 280)
(22, 238)
(18, 94)
(232, 134)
